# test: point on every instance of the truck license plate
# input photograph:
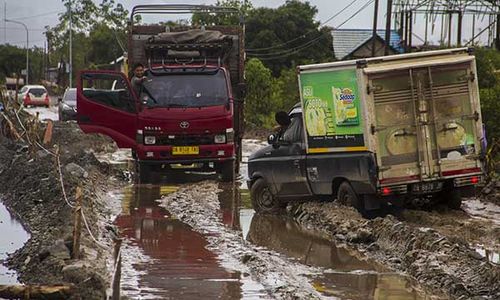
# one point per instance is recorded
(185, 150)
(426, 187)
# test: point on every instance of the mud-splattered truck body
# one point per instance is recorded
(187, 113)
(400, 129)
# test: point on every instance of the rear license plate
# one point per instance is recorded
(426, 187)
(185, 150)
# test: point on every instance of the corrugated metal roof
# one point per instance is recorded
(345, 41)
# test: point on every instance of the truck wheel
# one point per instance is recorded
(454, 199)
(227, 170)
(144, 173)
(263, 201)
(347, 196)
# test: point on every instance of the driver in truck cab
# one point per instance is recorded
(138, 78)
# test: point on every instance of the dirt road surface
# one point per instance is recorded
(192, 236)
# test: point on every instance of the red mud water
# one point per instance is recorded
(169, 260)
(12, 237)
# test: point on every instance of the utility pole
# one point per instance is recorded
(70, 47)
(497, 36)
(459, 29)
(374, 34)
(450, 19)
(388, 27)
(27, 49)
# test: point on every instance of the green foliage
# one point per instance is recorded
(287, 36)
(13, 60)
(259, 104)
(488, 64)
(208, 19)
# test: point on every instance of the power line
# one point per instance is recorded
(16, 28)
(39, 15)
(276, 55)
(303, 35)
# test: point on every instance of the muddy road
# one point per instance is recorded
(192, 236)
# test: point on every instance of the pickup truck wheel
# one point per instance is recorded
(347, 196)
(263, 201)
(454, 199)
(227, 170)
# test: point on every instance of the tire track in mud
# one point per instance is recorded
(441, 262)
(197, 205)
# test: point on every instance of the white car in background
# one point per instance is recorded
(34, 95)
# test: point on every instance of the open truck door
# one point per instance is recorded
(106, 104)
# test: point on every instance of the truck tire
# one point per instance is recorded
(263, 201)
(144, 173)
(347, 196)
(454, 199)
(227, 170)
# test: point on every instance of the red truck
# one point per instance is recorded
(188, 113)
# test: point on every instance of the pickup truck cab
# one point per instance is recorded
(283, 171)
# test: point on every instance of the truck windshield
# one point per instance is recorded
(185, 90)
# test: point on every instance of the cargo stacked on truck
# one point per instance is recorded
(187, 112)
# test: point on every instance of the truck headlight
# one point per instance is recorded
(220, 138)
(149, 140)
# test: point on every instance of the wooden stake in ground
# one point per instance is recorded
(47, 138)
(77, 229)
(35, 292)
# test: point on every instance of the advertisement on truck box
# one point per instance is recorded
(332, 111)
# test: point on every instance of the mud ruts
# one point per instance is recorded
(440, 263)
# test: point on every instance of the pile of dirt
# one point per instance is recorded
(441, 263)
(491, 192)
(30, 185)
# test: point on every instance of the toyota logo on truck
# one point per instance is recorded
(184, 124)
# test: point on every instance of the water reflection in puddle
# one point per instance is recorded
(13, 237)
(346, 276)
(168, 259)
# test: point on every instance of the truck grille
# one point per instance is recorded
(185, 140)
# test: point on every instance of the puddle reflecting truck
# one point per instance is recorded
(188, 112)
(402, 129)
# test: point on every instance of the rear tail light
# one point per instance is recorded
(394, 189)
(27, 97)
(468, 180)
(47, 98)
(386, 191)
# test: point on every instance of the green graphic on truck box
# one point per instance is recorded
(332, 111)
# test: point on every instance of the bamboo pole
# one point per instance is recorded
(77, 229)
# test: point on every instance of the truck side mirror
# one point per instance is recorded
(282, 118)
(272, 139)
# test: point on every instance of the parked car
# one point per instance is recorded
(67, 105)
(35, 95)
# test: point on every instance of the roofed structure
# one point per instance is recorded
(356, 43)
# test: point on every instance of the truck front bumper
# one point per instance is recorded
(215, 153)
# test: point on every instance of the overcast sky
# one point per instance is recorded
(39, 13)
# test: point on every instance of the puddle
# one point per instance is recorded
(491, 255)
(13, 237)
(481, 210)
(164, 258)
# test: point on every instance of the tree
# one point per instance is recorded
(210, 19)
(283, 37)
(260, 104)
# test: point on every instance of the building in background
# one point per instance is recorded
(357, 43)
